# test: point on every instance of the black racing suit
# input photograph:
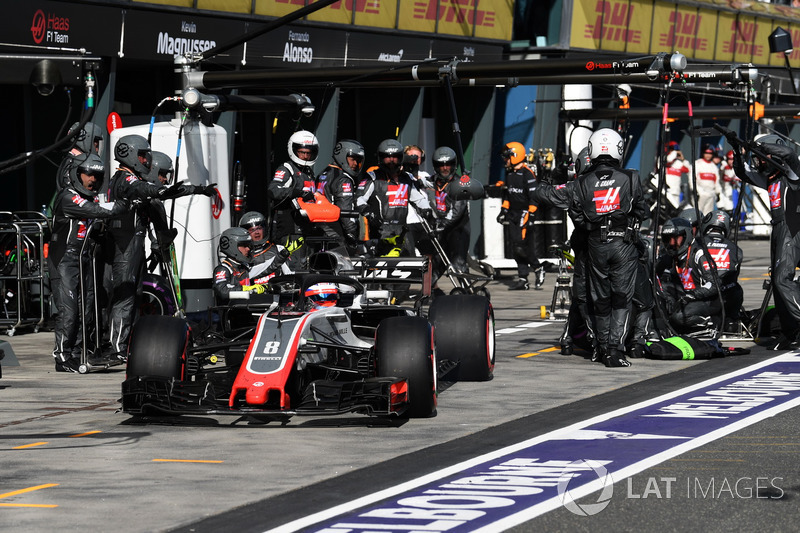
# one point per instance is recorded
(784, 245)
(607, 204)
(519, 207)
(70, 256)
(727, 257)
(289, 182)
(340, 190)
(452, 223)
(229, 276)
(689, 287)
(578, 320)
(274, 256)
(126, 243)
(385, 201)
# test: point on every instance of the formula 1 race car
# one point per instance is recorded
(292, 356)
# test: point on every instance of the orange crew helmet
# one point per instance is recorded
(515, 152)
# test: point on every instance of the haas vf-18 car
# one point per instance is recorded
(290, 356)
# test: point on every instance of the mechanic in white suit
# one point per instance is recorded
(708, 180)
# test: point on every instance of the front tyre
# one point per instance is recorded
(404, 349)
(463, 328)
(158, 347)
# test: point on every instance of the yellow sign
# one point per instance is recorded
(178, 3)
(339, 12)
(376, 13)
(418, 15)
(232, 6)
(494, 19)
(277, 8)
(613, 25)
(697, 32)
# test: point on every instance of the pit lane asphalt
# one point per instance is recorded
(71, 460)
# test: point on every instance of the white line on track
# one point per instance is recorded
(553, 503)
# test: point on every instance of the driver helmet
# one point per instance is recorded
(444, 155)
(229, 243)
(303, 139)
(323, 294)
(127, 151)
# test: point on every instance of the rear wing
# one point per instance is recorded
(393, 270)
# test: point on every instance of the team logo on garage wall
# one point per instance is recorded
(49, 28)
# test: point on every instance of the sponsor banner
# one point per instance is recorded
(457, 17)
(175, 3)
(376, 13)
(510, 486)
(699, 33)
(339, 12)
(418, 15)
(231, 6)
(277, 8)
(163, 36)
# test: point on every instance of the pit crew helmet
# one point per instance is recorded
(303, 139)
(760, 140)
(676, 227)
(161, 163)
(349, 148)
(606, 142)
(87, 136)
(229, 243)
(86, 164)
(693, 215)
(323, 294)
(514, 152)
(717, 221)
(127, 151)
(252, 219)
(390, 147)
(582, 161)
(444, 155)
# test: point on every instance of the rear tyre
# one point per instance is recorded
(158, 347)
(404, 349)
(463, 328)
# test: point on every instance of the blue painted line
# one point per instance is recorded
(515, 484)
